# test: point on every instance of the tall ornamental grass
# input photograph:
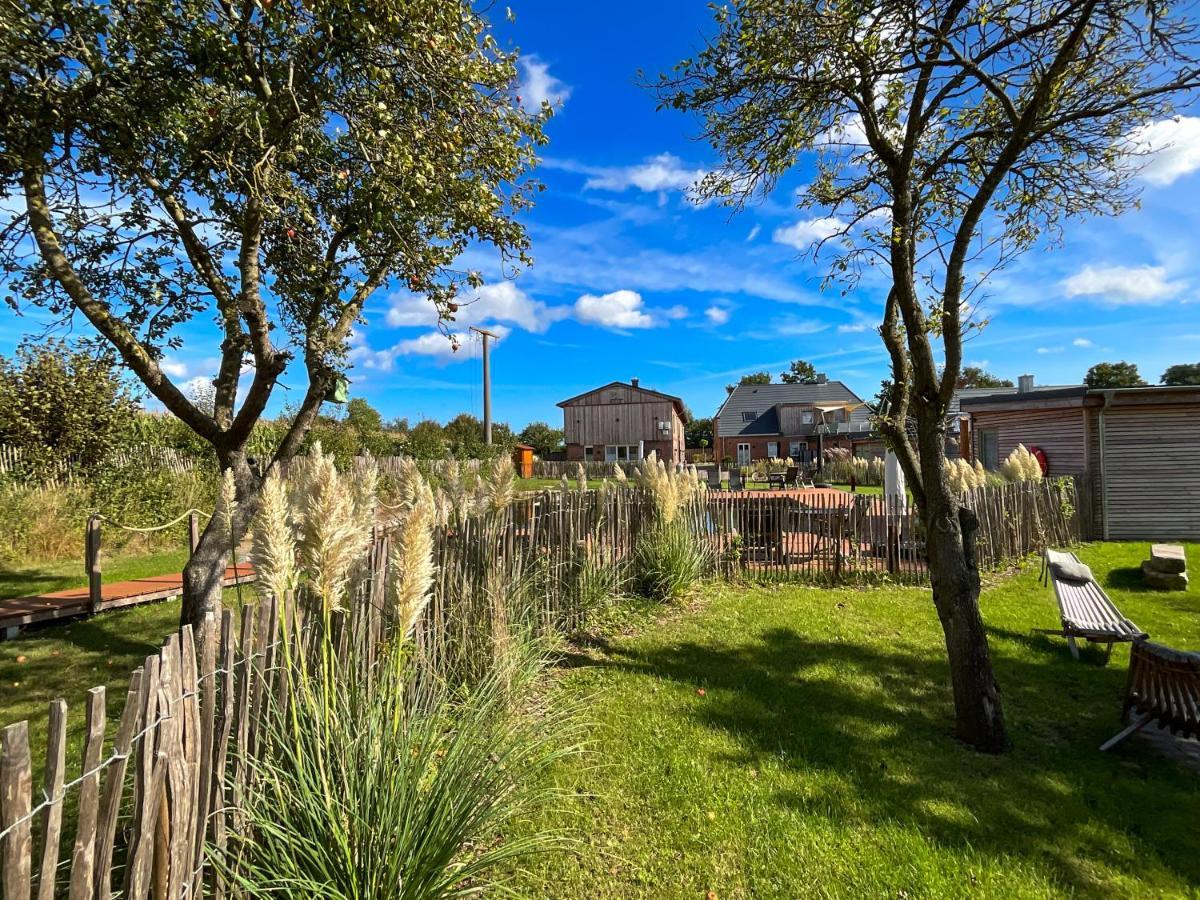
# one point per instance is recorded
(376, 777)
(1021, 465)
(668, 560)
(388, 791)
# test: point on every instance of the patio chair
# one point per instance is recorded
(735, 479)
(1085, 610)
(714, 478)
(791, 476)
(1164, 687)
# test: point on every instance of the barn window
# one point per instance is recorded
(749, 416)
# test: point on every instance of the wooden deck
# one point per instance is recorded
(21, 611)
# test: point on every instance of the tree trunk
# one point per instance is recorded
(204, 572)
(954, 573)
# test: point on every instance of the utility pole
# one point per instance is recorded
(487, 384)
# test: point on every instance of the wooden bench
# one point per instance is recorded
(1164, 687)
(1085, 610)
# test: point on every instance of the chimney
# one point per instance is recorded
(1024, 384)
(821, 378)
(633, 381)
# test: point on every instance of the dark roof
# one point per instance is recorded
(974, 396)
(633, 387)
(764, 398)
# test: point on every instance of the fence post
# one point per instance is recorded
(193, 533)
(92, 561)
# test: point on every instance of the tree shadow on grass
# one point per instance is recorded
(875, 721)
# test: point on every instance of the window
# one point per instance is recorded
(589, 454)
(773, 449)
(749, 416)
(989, 448)
(794, 449)
(806, 417)
(620, 453)
(743, 455)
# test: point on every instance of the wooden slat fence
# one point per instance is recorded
(170, 779)
(65, 472)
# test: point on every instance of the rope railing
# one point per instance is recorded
(150, 529)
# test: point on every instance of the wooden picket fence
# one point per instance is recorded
(154, 797)
(65, 472)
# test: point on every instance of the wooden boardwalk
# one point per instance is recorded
(21, 611)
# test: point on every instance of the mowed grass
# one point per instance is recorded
(794, 741)
(65, 659)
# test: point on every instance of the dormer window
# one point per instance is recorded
(806, 417)
(749, 416)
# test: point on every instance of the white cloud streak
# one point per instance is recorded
(803, 234)
(1123, 285)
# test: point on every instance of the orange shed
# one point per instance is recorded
(523, 460)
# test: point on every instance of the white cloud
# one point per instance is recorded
(664, 172)
(753, 233)
(432, 344)
(499, 302)
(173, 367)
(198, 388)
(847, 134)
(1081, 342)
(793, 327)
(717, 315)
(1173, 146)
(1046, 350)
(619, 309)
(854, 328)
(538, 86)
(1122, 285)
(806, 232)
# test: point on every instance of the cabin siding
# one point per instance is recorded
(1151, 485)
(622, 415)
(1060, 433)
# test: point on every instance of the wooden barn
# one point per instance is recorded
(623, 422)
(1138, 449)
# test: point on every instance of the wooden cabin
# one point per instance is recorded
(623, 422)
(1138, 450)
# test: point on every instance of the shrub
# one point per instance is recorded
(668, 560)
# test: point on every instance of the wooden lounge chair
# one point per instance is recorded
(1086, 611)
(735, 479)
(792, 476)
(714, 478)
(1164, 687)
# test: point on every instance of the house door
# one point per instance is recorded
(743, 455)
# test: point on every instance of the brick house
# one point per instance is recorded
(796, 421)
(623, 422)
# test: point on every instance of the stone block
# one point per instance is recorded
(1167, 558)
(1171, 581)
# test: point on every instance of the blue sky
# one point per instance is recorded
(631, 279)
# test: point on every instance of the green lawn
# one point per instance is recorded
(65, 659)
(794, 741)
